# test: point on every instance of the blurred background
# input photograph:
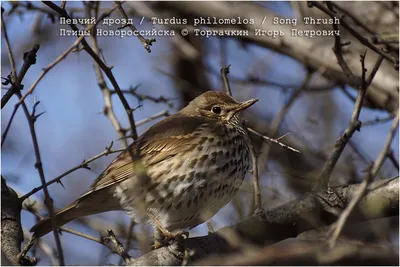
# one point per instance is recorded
(301, 88)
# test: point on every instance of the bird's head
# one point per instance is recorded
(216, 105)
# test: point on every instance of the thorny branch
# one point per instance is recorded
(38, 165)
(107, 70)
(83, 165)
(108, 109)
(30, 59)
(141, 97)
(101, 240)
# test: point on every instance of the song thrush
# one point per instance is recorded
(189, 166)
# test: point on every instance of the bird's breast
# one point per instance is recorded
(190, 187)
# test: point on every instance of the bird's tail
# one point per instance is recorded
(93, 203)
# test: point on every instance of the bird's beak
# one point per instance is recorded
(240, 107)
(244, 105)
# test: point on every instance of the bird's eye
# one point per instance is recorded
(216, 110)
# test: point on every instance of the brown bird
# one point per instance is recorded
(177, 175)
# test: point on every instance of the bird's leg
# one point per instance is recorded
(162, 236)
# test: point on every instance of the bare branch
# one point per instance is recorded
(354, 125)
(164, 113)
(386, 147)
(276, 141)
(145, 42)
(274, 225)
(357, 35)
(30, 59)
(346, 213)
(224, 74)
(120, 248)
(256, 181)
(38, 165)
(108, 109)
(103, 66)
(372, 172)
(84, 164)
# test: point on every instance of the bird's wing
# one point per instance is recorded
(163, 140)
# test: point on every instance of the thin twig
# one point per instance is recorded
(145, 42)
(378, 120)
(30, 59)
(49, 251)
(141, 97)
(275, 127)
(224, 74)
(84, 164)
(337, 49)
(25, 260)
(103, 66)
(129, 238)
(276, 141)
(347, 13)
(48, 68)
(372, 172)
(108, 109)
(100, 240)
(338, 226)
(38, 165)
(276, 122)
(4, 135)
(119, 247)
(10, 92)
(164, 113)
(386, 147)
(393, 159)
(354, 125)
(256, 180)
(353, 32)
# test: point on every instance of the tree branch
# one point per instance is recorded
(354, 125)
(11, 230)
(103, 66)
(145, 42)
(274, 225)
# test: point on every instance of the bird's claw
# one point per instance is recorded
(168, 237)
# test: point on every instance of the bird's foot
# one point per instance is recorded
(168, 237)
(163, 236)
